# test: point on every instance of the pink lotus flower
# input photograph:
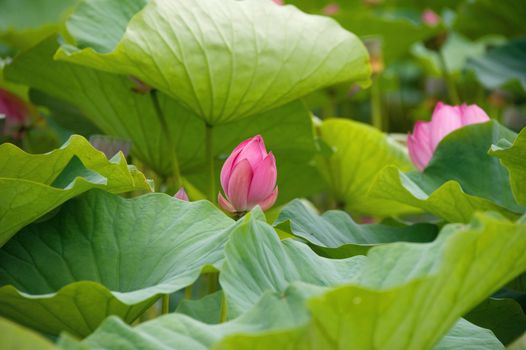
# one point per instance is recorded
(427, 135)
(248, 177)
(16, 112)
(430, 17)
(331, 9)
(279, 2)
(181, 194)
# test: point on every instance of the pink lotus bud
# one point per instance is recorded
(279, 2)
(445, 119)
(331, 9)
(181, 194)
(430, 17)
(16, 112)
(248, 177)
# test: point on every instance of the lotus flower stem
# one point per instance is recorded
(166, 304)
(176, 174)
(188, 292)
(451, 87)
(376, 105)
(213, 284)
(211, 166)
(223, 311)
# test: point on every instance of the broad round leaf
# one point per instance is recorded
(401, 296)
(335, 234)
(224, 60)
(32, 185)
(103, 255)
(23, 23)
(15, 337)
(513, 158)
(477, 18)
(360, 152)
(504, 317)
(277, 321)
(502, 66)
(295, 261)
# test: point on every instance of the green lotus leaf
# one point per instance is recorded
(360, 152)
(23, 23)
(335, 234)
(504, 317)
(254, 57)
(460, 179)
(32, 185)
(481, 17)
(15, 337)
(105, 255)
(519, 344)
(295, 260)
(512, 157)
(277, 321)
(206, 309)
(108, 101)
(401, 296)
(502, 65)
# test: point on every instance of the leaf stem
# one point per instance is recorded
(223, 309)
(188, 292)
(210, 160)
(175, 171)
(212, 282)
(451, 87)
(166, 304)
(376, 104)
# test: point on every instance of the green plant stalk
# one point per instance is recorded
(209, 154)
(376, 104)
(223, 311)
(176, 173)
(188, 292)
(166, 304)
(451, 87)
(213, 285)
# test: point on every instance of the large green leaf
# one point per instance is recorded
(245, 255)
(519, 344)
(460, 179)
(504, 317)
(503, 65)
(24, 23)
(401, 296)
(33, 185)
(106, 99)
(277, 322)
(103, 255)
(513, 158)
(477, 18)
(360, 152)
(109, 102)
(255, 56)
(206, 309)
(335, 234)
(15, 337)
